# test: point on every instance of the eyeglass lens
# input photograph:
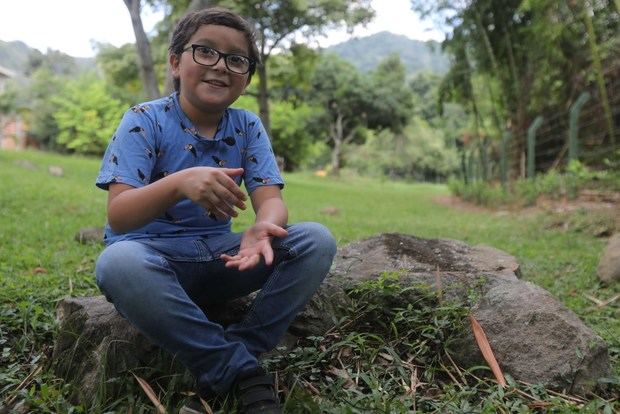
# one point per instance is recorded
(209, 57)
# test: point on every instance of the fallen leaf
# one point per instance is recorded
(344, 374)
(150, 393)
(206, 406)
(487, 352)
(438, 285)
(602, 303)
(330, 211)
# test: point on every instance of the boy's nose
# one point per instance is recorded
(220, 65)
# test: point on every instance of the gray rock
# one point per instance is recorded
(534, 337)
(89, 235)
(608, 269)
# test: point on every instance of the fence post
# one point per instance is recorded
(464, 165)
(531, 146)
(470, 167)
(573, 144)
(503, 166)
(484, 161)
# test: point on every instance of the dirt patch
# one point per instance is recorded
(456, 202)
(602, 209)
(437, 253)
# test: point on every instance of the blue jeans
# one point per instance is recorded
(157, 283)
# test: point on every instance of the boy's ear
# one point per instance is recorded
(174, 64)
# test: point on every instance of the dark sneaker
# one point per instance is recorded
(256, 393)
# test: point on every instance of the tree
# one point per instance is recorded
(143, 46)
(534, 56)
(278, 21)
(351, 101)
(290, 73)
(121, 71)
(86, 115)
(39, 111)
(418, 152)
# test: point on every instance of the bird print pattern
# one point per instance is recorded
(156, 140)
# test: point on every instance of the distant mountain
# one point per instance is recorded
(14, 55)
(365, 53)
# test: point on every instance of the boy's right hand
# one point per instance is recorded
(215, 190)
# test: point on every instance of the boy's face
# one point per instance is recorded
(210, 88)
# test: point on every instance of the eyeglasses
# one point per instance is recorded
(207, 56)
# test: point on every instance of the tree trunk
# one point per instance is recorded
(147, 70)
(263, 96)
(337, 137)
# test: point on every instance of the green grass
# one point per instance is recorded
(40, 263)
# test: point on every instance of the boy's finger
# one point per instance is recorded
(232, 172)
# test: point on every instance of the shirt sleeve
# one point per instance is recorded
(131, 154)
(260, 166)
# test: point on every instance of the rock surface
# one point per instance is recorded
(534, 337)
(608, 269)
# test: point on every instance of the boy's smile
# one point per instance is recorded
(206, 91)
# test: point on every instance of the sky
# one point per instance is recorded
(71, 26)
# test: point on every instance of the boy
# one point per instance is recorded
(172, 171)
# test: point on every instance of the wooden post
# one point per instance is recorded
(575, 110)
(531, 146)
(503, 166)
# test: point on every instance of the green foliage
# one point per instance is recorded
(525, 192)
(513, 60)
(293, 129)
(367, 361)
(392, 99)
(9, 98)
(39, 114)
(418, 153)
(86, 115)
(352, 102)
(290, 73)
(478, 192)
(56, 62)
(121, 72)
(277, 20)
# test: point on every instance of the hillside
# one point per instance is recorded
(14, 55)
(417, 56)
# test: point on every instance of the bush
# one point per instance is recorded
(525, 192)
(86, 115)
(479, 192)
(418, 153)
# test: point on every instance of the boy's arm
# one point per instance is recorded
(213, 188)
(268, 204)
(271, 218)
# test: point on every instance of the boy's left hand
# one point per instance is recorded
(255, 242)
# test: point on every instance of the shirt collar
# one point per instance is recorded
(188, 126)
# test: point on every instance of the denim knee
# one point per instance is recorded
(115, 265)
(313, 239)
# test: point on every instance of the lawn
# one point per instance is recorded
(40, 262)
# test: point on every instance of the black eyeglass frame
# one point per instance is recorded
(221, 55)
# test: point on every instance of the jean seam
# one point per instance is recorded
(275, 275)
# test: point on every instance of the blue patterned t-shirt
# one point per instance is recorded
(156, 138)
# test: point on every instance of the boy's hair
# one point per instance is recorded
(188, 25)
